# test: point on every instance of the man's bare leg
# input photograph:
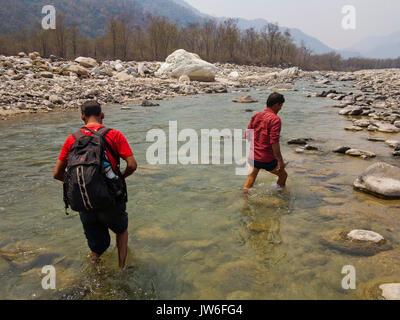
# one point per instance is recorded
(251, 179)
(122, 244)
(282, 176)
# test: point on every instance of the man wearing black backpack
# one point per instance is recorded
(94, 185)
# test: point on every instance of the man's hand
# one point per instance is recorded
(131, 166)
(276, 148)
(59, 170)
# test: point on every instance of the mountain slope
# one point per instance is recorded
(379, 47)
(298, 36)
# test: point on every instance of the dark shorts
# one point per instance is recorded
(96, 225)
(269, 166)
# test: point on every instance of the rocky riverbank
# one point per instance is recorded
(32, 84)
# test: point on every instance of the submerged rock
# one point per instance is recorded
(298, 141)
(380, 179)
(351, 110)
(360, 153)
(365, 235)
(340, 240)
(245, 99)
(342, 150)
(148, 103)
(390, 291)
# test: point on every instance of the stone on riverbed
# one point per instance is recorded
(365, 235)
(181, 63)
(360, 153)
(298, 141)
(390, 291)
(353, 128)
(245, 99)
(380, 179)
(340, 240)
(387, 128)
(148, 103)
(351, 110)
(342, 150)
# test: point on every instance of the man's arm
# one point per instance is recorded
(59, 170)
(131, 166)
(276, 148)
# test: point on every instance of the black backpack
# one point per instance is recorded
(86, 187)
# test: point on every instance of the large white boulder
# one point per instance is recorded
(381, 179)
(86, 62)
(181, 63)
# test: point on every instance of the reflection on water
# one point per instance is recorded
(193, 234)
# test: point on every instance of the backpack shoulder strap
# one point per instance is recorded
(78, 134)
(102, 132)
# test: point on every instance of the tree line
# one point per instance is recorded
(155, 39)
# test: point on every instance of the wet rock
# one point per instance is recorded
(353, 128)
(376, 139)
(387, 127)
(310, 147)
(360, 153)
(86, 62)
(380, 179)
(342, 150)
(282, 87)
(393, 144)
(181, 63)
(363, 123)
(148, 103)
(390, 291)
(339, 240)
(365, 235)
(298, 141)
(396, 154)
(351, 110)
(244, 99)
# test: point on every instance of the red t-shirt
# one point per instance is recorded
(267, 129)
(115, 138)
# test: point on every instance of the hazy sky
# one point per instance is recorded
(318, 18)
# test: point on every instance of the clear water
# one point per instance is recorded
(193, 235)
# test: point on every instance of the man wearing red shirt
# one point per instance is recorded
(96, 224)
(265, 152)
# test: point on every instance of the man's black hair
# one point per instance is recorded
(275, 98)
(91, 108)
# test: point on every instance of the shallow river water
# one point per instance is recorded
(193, 235)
